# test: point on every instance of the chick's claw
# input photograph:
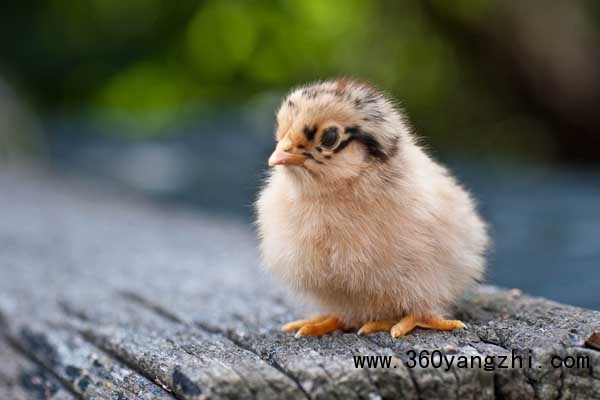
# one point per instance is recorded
(410, 322)
(314, 326)
(405, 325)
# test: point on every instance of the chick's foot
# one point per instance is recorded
(411, 322)
(376, 326)
(313, 326)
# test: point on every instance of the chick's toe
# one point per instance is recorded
(314, 326)
(440, 324)
(295, 325)
(376, 326)
(410, 322)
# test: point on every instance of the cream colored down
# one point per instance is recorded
(366, 239)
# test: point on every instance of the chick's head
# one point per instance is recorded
(335, 130)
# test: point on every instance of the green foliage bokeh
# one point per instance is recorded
(151, 63)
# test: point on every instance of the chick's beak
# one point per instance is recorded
(280, 157)
(283, 155)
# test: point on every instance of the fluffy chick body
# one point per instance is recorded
(367, 237)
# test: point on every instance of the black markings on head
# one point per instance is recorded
(371, 98)
(319, 149)
(374, 148)
(291, 103)
(300, 146)
(310, 156)
(377, 116)
(310, 92)
(352, 129)
(310, 132)
(393, 148)
(343, 144)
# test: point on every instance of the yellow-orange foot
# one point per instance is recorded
(318, 326)
(376, 326)
(410, 322)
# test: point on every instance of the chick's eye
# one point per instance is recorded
(330, 137)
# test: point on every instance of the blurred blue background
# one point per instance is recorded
(176, 100)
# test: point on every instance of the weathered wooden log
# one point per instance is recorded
(103, 296)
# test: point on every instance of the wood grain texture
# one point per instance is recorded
(105, 296)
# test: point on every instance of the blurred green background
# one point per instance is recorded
(176, 100)
(516, 79)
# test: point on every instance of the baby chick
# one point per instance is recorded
(358, 218)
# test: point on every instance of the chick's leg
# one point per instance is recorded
(313, 326)
(411, 321)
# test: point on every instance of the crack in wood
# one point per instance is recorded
(232, 367)
(93, 340)
(151, 306)
(165, 314)
(17, 347)
(270, 362)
